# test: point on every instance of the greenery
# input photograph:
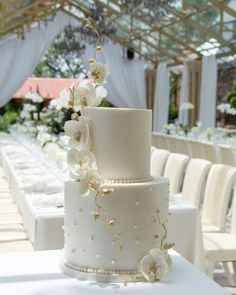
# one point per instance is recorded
(231, 97)
(8, 118)
(62, 60)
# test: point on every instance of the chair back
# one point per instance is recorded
(158, 161)
(174, 171)
(194, 181)
(227, 154)
(220, 183)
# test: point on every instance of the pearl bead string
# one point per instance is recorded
(101, 271)
(127, 180)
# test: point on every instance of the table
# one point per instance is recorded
(44, 224)
(34, 273)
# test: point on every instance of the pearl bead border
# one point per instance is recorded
(127, 180)
(101, 271)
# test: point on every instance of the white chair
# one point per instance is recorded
(8, 208)
(196, 149)
(221, 247)
(158, 161)
(220, 183)
(174, 170)
(210, 152)
(227, 155)
(159, 141)
(10, 218)
(194, 181)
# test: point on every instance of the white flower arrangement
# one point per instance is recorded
(34, 97)
(98, 72)
(223, 107)
(186, 106)
(154, 266)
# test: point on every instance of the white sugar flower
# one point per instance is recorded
(231, 111)
(98, 72)
(101, 93)
(61, 102)
(154, 265)
(34, 96)
(90, 179)
(80, 161)
(78, 131)
(83, 95)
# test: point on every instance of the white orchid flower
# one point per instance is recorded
(98, 72)
(154, 266)
(78, 131)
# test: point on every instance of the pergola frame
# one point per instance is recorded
(173, 38)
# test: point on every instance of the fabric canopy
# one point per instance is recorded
(18, 58)
(161, 100)
(126, 83)
(208, 92)
(184, 93)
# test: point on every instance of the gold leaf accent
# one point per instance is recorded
(106, 192)
(155, 236)
(75, 116)
(98, 48)
(96, 215)
(168, 246)
(91, 61)
(110, 222)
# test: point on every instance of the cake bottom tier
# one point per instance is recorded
(107, 236)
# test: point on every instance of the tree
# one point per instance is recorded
(63, 58)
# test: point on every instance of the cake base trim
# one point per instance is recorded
(100, 275)
(128, 180)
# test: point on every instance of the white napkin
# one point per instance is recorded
(44, 200)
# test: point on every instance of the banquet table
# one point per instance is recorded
(44, 224)
(34, 273)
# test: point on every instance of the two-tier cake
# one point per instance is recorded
(117, 231)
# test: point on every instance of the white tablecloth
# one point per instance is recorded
(44, 224)
(38, 273)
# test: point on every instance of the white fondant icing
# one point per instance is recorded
(120, 206)
(121, 141)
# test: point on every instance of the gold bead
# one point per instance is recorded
(98, 48)
(96, 215)
(110, 222)
(91, 61)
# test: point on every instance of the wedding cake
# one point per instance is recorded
(119, 231)
(116, 214)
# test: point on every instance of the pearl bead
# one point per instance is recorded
(98, 256)
(135, 226)
(137, 203)
(113, 261)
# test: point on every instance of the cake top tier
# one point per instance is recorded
(121, 142)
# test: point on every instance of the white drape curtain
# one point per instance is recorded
(126, 83)
(18, 58)
(184, 93)
(208, 92)
(161, 99)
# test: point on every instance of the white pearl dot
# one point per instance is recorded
(137, 203)
(62, 227)
(113, 261)
(98, 256)
(113, 242)
(135, 226)
(150, 189)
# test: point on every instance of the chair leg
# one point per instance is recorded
(228, 274)
(234, 268)
(209, 268)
